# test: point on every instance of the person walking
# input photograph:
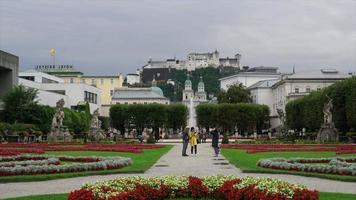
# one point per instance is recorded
(193, 138)
(215, 141)
(185, 137)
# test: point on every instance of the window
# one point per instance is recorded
(126, 103)
(71, 80)
(90, 97)
(112, 81)
(92, 81)
(145, 103)
(111, 92)
(318, 89)
(102, 81)
(83, 80)
(307, 90)
(296, 90)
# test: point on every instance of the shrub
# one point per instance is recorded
(225, 139)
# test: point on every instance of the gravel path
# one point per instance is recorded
(172, 163)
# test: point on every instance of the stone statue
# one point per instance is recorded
(58, 117)
(95, 133)
(58, 130)
(327, 110)
(328, 132)
(95, 122)
(281, 116)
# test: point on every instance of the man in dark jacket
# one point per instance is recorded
(185, 137)
(215, 141)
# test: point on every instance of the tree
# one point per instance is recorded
(18, 103)
(177, 116)
(235, 94)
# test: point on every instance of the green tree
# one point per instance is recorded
(177, 116)
(235, 94)
(18, 103)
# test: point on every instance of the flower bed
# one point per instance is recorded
(256, 148)
(16, 149)
(340, 166)
(217, 187)
(29, 164)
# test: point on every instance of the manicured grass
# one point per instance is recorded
(323, 196)
(141, 163)
(247, 162)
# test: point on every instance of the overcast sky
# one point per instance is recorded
(109, 37)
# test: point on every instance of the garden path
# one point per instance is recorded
(172, 163)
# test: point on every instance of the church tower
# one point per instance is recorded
(188, 92)
(201, 94)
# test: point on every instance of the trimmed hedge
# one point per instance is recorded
(243, 116)
(143, 116)
(307, 112)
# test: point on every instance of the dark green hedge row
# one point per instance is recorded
(41, 116)
(241, 116)
(142, 116)
(307, 112)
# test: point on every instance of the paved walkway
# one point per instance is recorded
(172, 163)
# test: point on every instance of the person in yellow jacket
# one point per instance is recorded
(193, 140)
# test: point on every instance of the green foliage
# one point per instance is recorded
(225, 139)
(142, 116)
(235, 94)
(77, 122)
(105, 122)
(307, 112)
(18, 103)
(242, 116)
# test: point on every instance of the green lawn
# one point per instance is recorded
(141, 163)
(247, 162)
(323, 196)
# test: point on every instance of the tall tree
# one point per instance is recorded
(18, 103)
(235, 94)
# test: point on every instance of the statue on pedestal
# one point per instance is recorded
(95, 132)
(58, 130)
(328, 132)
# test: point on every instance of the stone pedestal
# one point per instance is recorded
(96, 134)
(59, 134)
(327, 133)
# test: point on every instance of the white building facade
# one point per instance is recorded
(51, 89)
(250, 77)
(278, 92)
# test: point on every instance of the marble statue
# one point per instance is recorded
(58, 130)
(328, 132)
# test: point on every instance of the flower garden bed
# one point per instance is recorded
(339, 166)
(31, 165)
(17, 148)
(214, 187)
(256, 148)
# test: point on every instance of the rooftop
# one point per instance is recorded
(318, 74)
(264, 84)
(137, 93)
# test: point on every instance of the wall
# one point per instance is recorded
(9, 69)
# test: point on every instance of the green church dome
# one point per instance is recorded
(157, 90)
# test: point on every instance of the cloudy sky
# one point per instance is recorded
(106, 37)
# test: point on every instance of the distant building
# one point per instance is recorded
(250, 76)
(195, 61)
(132, 79)
(51, 89)
(159, 74)
(276, 93)
(9, 69)
(136, 96)
(107, 84)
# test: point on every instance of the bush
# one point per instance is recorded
(225, 139)
(243, 116)
(307, 112)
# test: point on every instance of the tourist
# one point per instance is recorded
(185, 137)
(215, 141)
(193, 138)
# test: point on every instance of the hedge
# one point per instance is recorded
(142, 116)
(244, 117)
(307, 112)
